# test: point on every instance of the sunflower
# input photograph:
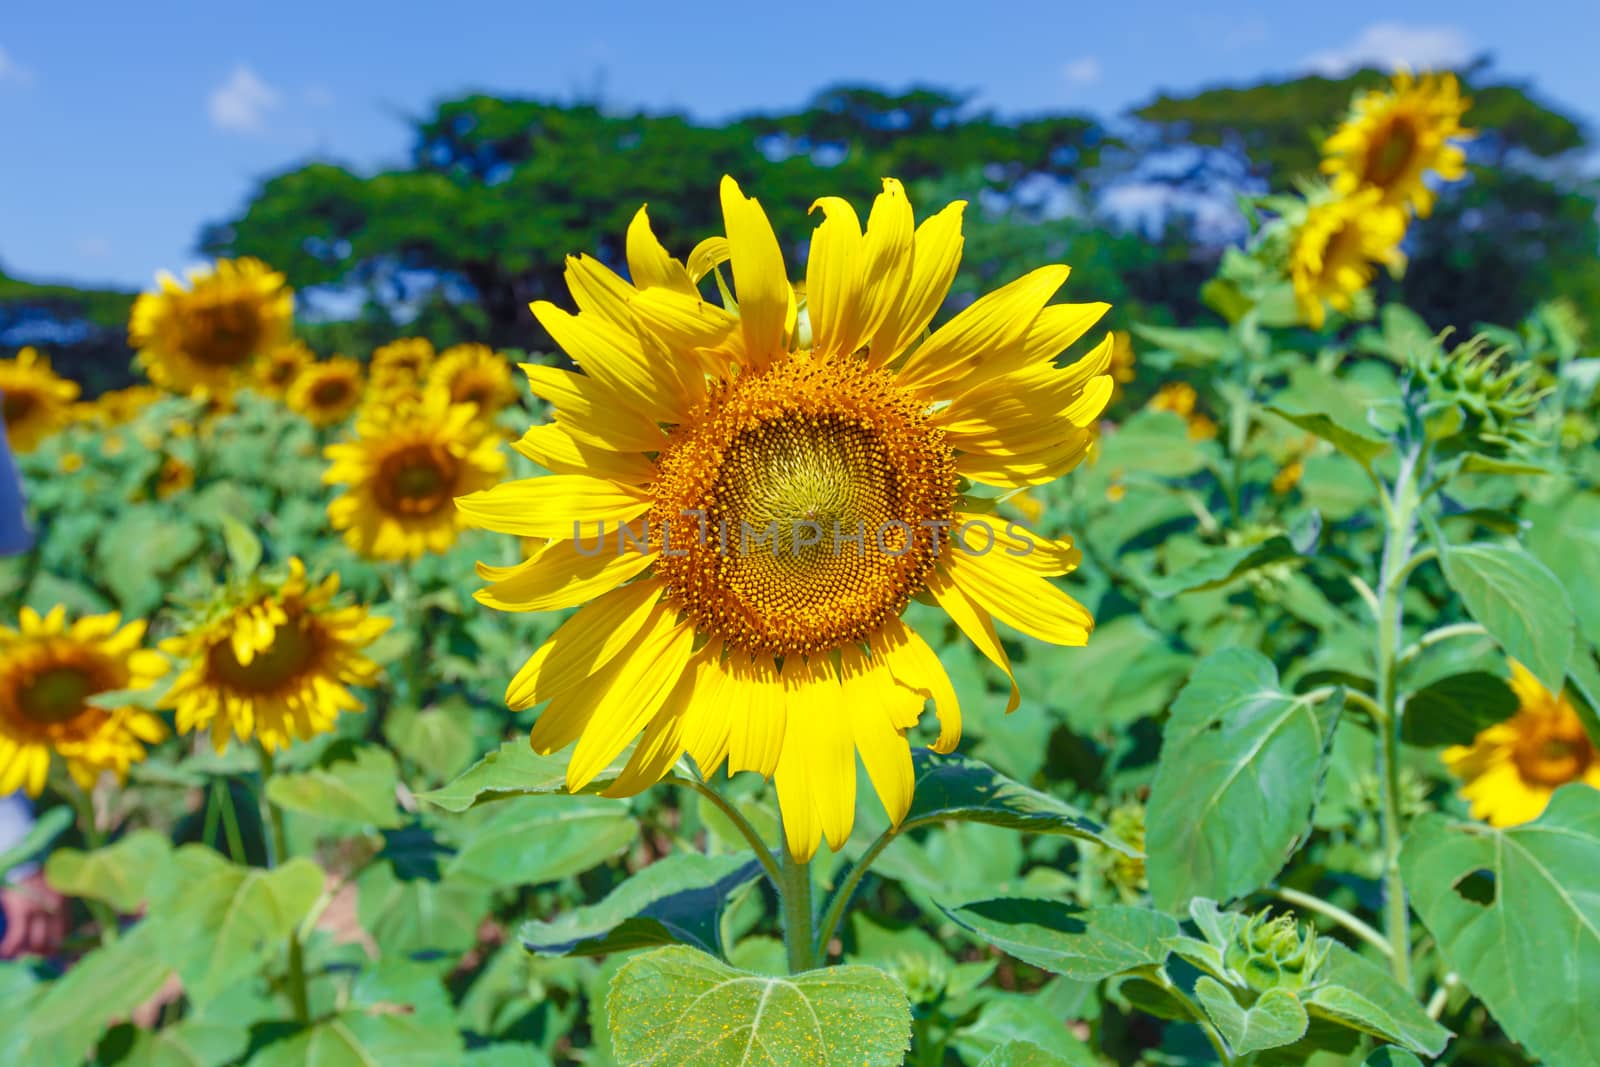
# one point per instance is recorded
(476, 375)
(1122, 362)
(327, 391)
(1336, 247)
(274, 661)
(202, 340)
(118, 406)
(1394, 138)
(409, 460)
(401, 365)
(277, 370)
(174, 477)
(715, 622)
(1511, 768)
(34, 401)
(1181, 399)
(48, 670)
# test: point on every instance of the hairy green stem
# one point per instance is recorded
(222, 800)
(740, 823)
(104, 916)
(799, 932)
(840, 901)
(298, 998)
(1196, 1013)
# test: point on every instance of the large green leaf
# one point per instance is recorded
(512, 770)
(1241, 762)
(1565, 536)
(227, 920)
(543, 839)
(1221, 566)
(189, 1043)
(45, 829)
(677, 1006)
(1007, 1022)
(350, 784)
(1363, 996)
(410, 915)
(1518, 600)
(1452, 710)
(1358, 446)
(118, 874)
(1154, 443)
(678, 900)
(356, 1040)
(1018, 1053)
(1516, 913)
(958, 788)
(1274, 1020)
(1081, 943)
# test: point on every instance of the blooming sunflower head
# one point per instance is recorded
(118, 406)
(1394, 138)
(272, 660)
(276, 371)
(1510, 770)
(35, 402)
(476, 375)
(1334, 251)
(745, 508)
(327, 391)
(202, 339)
(401, 473)
(48, 671)
(1182, 400)
(401, 365)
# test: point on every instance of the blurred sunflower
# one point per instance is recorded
(202, 340)
(174, 477)
(327, 391)
(1511, 768)
(1336, 248)
(278, 369)
(1181, 399)
(35, 402)
(1393, 138)
(408, 462)
(777, 657)
(1122, 362)
(272, 661)
(401, 365)
(48, 670)
(476, 375)
(118, 406)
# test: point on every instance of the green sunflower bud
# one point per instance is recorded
(1127, 824)
(1271, 953)
(1469, 400)
(924, 977)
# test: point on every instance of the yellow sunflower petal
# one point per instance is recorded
(558, 577)
(936, 254)
(977, 625)
(561, 506)
(758, 274)
(987, 329)
(1016, 595)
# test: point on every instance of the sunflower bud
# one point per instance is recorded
(923, 976)
(1471, 403)
(1127, 873)
(1271, 953)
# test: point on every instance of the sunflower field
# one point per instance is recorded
(789, 654)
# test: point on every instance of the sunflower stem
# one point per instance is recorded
(222, 799)
(83, 803)
(280, 851)
(799, 920)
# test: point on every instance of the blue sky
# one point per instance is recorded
(125, 127)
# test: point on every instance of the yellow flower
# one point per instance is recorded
(327, 391)
(401, 364)
(34, 401)
(1512, 767)
(745, 641)
(202, 340)
(407, 463)
(275, 662)
(476, 375)
(278, 369)
(71, 462)
(1122, 362)
(1180, 399)
(174, 477)
(48, 670)
(1394, 138)
(1288, 476)
(119, 406)
(1336, 248)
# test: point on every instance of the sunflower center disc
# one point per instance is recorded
(799, 508)
(223, 334)
(15, 405)
(293, 647)
(1555, 755)
(57, 695)
(417, 480)
(1389, 156)
(330, 393)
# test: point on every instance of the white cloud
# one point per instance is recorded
(241, 103)
(11, 71)
(1084, 71)
(1390, 45)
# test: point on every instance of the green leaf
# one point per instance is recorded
(1205, 344)
(189, 1043)
(40, 836)
(1274, 1020)
(543, 839)
(1363, 996)
(438, 740)
(356, 1040)
(244, 547)
(228, 920)
(1025, 1054)
(1516, 913)
(1478, 463)
(677, 900)
(1358, 446)
(1155, 443)
(967, 790)
(1451, 711)
(1012, 1021)
(679, 1006)
(1241, 762)
(1221, 566)
(118, 874)
(412, 915)
(1565, 536)
(1390, 1056)
(1516, 598)
(351, 784)
(512, 770)
(1082, 943)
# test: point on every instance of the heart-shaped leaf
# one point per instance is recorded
(1274, 1020)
